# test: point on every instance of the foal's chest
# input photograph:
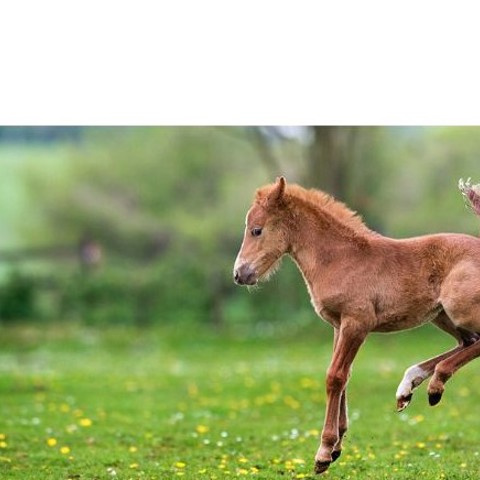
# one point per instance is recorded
(330, 308)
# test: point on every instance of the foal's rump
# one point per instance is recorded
(460, 294)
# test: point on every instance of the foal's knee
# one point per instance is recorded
(335, 381)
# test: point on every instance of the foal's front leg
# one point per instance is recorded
(343, 414)
(342, 426)
(350, 337)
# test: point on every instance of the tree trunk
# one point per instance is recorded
(331, 154)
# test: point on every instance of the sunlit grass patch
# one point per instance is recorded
(152, 404)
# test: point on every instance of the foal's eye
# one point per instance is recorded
(256, 232)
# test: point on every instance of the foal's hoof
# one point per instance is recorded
(336, 454)
(403, 402)
(434, 398)
(321, 467)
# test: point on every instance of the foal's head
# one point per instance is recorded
(266, 236)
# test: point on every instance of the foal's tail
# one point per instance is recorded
(471, 194)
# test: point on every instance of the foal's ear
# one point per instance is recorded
(276, 195)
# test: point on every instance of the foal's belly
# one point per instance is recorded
(403, 321)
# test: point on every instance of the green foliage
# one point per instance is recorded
(420, 194)
(166, 205)
(17, 298)
(126, 186)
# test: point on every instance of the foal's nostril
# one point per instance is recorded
(244, 275)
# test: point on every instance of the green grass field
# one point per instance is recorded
(80, 403)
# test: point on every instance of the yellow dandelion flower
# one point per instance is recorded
(463, 465)
(133, 449)
(420, 445)
(2, 436)
(51, 442)
(3, 444)
(291, 402)
(307, 382)
(243, 460)
(134, 465)
(202, 429)
(242, 471)
(180, 465)
(64, 450)
(192, 390)
(85, 422)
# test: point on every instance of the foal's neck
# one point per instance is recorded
(321, 240)
(318, 231)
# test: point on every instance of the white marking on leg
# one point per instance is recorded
(412, 378)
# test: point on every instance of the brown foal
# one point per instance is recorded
(361, 282)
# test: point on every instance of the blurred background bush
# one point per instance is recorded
(141, 225)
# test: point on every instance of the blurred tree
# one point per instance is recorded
(343, 161)
(332, 153)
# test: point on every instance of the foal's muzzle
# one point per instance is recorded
(244, 275)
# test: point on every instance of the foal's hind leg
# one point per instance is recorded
(416, 374)
(445, 369)
(460, 297)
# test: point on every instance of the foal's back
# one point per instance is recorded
(419, 277)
